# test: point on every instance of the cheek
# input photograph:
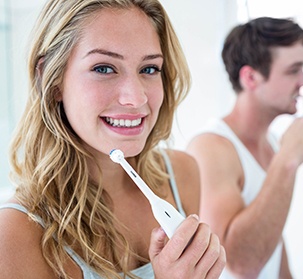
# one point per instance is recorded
(156, 99)
(86, 96)
(80, 106)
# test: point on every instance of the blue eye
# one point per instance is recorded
(150, 70)
(103, 69)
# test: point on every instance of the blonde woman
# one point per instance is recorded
(104, 74)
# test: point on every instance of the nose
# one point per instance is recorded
(132, 92)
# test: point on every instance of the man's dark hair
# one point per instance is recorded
(252, 44)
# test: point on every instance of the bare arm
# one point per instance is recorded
(249, 234)
(20, 253)
(187, 178)
(20, 250)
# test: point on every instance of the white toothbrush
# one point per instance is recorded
(166, 215)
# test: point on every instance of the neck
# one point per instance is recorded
(248, 119)
(251, 124)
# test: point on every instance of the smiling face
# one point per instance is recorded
(281, 90)
(112, 88)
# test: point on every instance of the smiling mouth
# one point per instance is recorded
(123, 123)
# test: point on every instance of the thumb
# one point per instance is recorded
(157, 242)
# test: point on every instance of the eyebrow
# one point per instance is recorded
(152, 56)
(296, 64)
(119, 56)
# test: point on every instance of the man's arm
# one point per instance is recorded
(249, 234)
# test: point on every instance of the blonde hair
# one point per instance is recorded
(49, 162)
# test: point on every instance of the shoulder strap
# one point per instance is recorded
(14, 206)
(23, 209)
(173, 183)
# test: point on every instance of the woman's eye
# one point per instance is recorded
(150, 70)
(104, 69)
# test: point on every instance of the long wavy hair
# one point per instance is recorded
(49, 163)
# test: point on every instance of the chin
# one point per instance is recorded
(131, 149)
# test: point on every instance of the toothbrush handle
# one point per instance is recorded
(166, 215)
(148, 193)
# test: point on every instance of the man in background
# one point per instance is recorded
(247, 180)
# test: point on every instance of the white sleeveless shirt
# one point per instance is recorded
(254, 177)
(145, 271)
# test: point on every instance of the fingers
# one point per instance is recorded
(165, 258)
(213, 260)
(202, 241)
(192, 252)
(205, 253)
(182, 237)
(158, 239)
(218, 266)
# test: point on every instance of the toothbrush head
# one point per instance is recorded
(116, 155)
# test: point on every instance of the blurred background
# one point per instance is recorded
(201, 26)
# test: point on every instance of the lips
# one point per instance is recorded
(123, 123)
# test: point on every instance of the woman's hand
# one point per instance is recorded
(192, 252)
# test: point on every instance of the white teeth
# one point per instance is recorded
(128, 123)
(136, 122)
(123, 122)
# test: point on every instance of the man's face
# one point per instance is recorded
(282, 88)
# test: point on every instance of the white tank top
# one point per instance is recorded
(145, 271)
(254, 177)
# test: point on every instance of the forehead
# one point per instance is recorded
(120, 30)
(288, 56)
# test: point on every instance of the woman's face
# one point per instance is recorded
(112, 88)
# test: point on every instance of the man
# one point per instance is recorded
(247, 183)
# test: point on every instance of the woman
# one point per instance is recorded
(104, 74)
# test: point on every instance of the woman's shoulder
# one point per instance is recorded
(20, 248)
(187, 178)
(182, 162)
(15, 221)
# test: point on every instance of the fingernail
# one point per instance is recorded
(195, 216)
(161, 232)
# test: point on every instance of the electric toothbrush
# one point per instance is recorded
(166, 215)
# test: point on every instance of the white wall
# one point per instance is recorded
(201, 26)
(16, 20)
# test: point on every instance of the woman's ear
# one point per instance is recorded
(39, 73)
(249, 77)
(39, 67)
(58, 94)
